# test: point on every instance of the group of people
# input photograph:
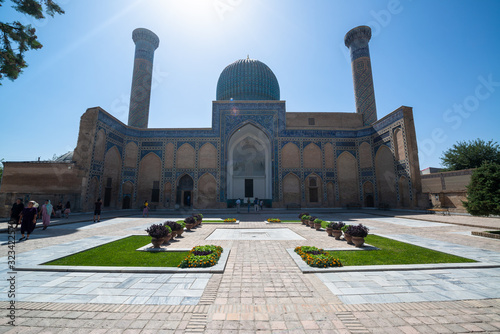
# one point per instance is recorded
(258, 204)
(26, 215)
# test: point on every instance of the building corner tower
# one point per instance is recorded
(146, 42)
(357, 41)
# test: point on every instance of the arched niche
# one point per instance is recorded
(111, 178)
(100, 145)
(249, 173)
(348, 181)
(312, 156)
(386, 178)
(185, 156)
(291, 189)
(149, 177)
(207, 191)
(290, 156)
(184, 191)
(207, 156)
(131, 152)
(399, 145)
(365, 155)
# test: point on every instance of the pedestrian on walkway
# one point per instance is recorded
(59, 210)
(97, 209)
(46, 211)
(28, 220)
(238, 205)
(67, 209)
(145, 210)
(256, 204)
(261, 203)
(15, 211)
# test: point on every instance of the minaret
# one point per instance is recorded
(357, 41)
(146, 42)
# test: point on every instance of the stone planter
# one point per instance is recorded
(179, 233)
(167, 239)
(329, 231)
(304, 222)
(157, 242)
(358, 241)
(311, 223)
(317, 226)
(189, 227)
(348, 238)
(337, 234)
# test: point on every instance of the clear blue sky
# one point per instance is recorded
(440, 57)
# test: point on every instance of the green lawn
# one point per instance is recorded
(122, 253)
(291, 221)
(208, 221)
(394, 252)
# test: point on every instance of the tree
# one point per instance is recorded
(16, 38)
(472, 154)
(483, 192)
(1, 169)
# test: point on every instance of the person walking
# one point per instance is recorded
(46, 211)
(15, 211)
(67, 209)
(238, 205)
(59, 210)
(261, 204)
(28, 220)
(256, 204)
(97, 209)
(145, 210)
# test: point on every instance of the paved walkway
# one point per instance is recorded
(262, 289)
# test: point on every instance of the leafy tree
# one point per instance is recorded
(16, 38)
(483, 192)
(1, 169)
(472, 154)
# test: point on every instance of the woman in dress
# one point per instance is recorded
(145, 211)
(28, 220)
(46, 212)
(67, 209)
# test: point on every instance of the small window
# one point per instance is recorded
(311, 121)
(312, 182)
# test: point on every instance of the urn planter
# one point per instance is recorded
(337, 234)
(157, 242)
(329, 231)
(358, 241)
(167, 239)
(317, 226)
(348, 238)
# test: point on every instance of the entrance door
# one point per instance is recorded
(187, 198)
(185, 191)
(126, 202)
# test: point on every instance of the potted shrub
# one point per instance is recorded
(303, 216)
(158, 233)
(305, 219)
(347, 236)
(174, 226)
(358, 234)
(311, 221)
(189, 223)
(317, 224)
(198, 218)
(335, 229)
(179, 232)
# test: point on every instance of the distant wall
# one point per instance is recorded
(447, 189)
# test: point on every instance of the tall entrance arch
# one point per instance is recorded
(249, 172)
(184, 196)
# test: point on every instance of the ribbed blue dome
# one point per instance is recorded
(248, 79)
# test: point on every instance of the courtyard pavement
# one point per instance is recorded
(262, 289)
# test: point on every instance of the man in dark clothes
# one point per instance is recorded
(16, 210)
(28, 220)
(97, 209)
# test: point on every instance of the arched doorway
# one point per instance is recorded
(126, 202)
(184, 196)
(249, 164)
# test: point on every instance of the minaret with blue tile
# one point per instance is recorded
(357, 41)
(146, 42)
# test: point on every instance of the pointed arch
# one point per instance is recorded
(312, 156)
(290, 156)
(131, 153)
(399, 145)
(314, 193)
(185, 156)
(385, 176)
(365, 155)
(208, 156)
(100, 145)
(112, 177)
(149, 177)
(184, 191)
(291, 189)
(207, 191)
(348, 180)
(404, 192)
(368, 194)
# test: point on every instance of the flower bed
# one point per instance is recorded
(230, 220)
(273, 220)
(317, 257)
(202, 256)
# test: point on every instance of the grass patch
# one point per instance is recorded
(394, 252)
(122, 253)
(208, 221)
(494, 232)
